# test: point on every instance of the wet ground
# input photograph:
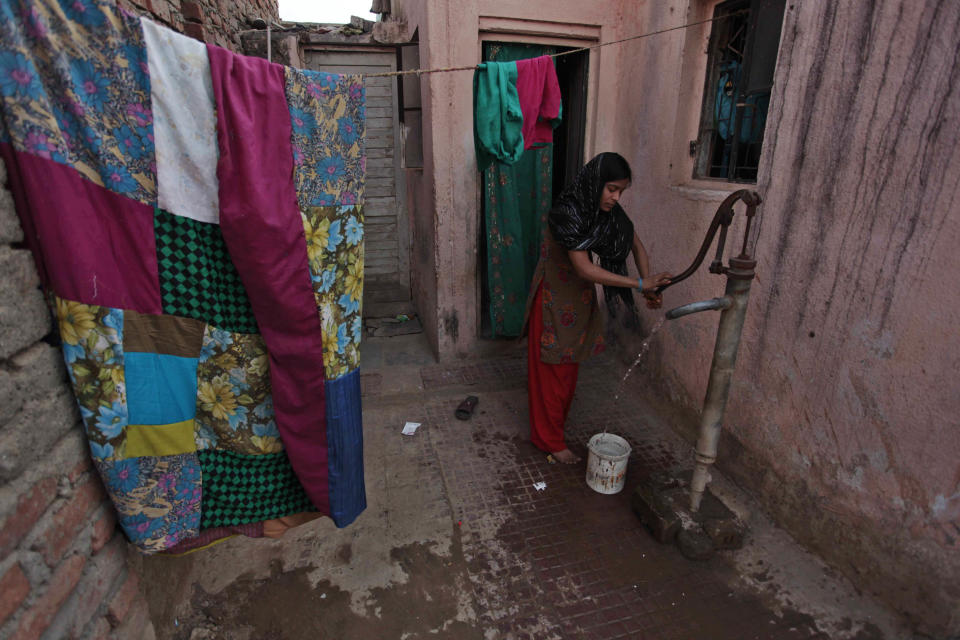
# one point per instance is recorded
(457, 543)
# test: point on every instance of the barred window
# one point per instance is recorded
(742, 59)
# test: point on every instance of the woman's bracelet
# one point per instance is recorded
(640, 284)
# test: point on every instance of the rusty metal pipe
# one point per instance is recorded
(740, 274)
(718, 388)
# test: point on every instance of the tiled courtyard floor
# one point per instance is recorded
(457, 543)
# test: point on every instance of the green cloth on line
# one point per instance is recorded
(516, 199)
(497, 118)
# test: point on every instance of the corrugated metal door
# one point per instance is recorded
(386, 248)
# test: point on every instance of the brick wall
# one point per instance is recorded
(214, 21)
(63, 572)
(63, 562)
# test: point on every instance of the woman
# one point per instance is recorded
(565, 325)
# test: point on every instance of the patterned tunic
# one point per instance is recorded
(573, 323)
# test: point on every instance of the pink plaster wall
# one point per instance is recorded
(843, 416)
(442, 207)
(420, 191)
(843, 412)
(444, 200)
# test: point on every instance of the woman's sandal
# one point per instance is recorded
(465, 410)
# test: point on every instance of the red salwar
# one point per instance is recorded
(550, 387)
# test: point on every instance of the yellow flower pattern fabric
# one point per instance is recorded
(335, 249)
(92, 341)
(178, 413)
(234, 405)
(327, 114)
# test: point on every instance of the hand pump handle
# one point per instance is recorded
(721, 220)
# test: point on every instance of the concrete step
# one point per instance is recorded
(382, 299)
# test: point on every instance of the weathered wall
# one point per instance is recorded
(218, 22)
(440, 199)
(843, 416)
(412, 17)
(63, 569)
(444, 199)
(63, 563)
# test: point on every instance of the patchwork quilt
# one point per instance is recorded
(196, 217)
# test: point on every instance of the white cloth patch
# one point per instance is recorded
(184, 124)
(410, 428)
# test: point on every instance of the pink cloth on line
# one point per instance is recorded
(539, 94)
(263, 231)
(98, 246)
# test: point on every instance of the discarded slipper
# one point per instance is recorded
(465, 409)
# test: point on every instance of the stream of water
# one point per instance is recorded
(644, 348)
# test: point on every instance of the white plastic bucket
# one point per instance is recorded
(607, 462)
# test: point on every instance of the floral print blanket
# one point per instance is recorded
(196, 218)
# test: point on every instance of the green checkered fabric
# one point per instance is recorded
(197, 278)
(241, 488)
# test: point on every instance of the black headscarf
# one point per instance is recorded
(578, 224)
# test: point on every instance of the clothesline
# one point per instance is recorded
(473, 67)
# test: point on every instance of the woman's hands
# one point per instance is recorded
(649, 291)
(594, 273)
(650, 282)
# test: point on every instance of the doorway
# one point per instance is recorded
(516, 198)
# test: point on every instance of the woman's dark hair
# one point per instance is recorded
(613, 167)
(577, 223)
